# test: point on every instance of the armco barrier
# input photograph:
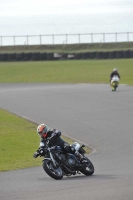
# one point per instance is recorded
(57, 56)
(41, 56)
(86, 55)
(4, 57)
(112, 54)
(27, 56)
(99, 55)
(126, 54)
(131, 54)
(19, 56)
(50, 56)
(78, 56)
(106, 55)
(93, 55)
(35, 56)
(71, 56)
(119, 54)
(64, 56)
(11, 56)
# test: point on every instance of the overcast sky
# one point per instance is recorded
(41, 7)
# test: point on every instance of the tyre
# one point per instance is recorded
(89, 168)
(55, 173)
(115, 85)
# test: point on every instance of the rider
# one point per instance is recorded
(113, 73)
(45, 133)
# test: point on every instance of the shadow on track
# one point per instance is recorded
(83, 177)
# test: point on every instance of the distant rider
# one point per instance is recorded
(114, 73)
(45, 133)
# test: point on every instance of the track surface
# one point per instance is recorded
(92, 114)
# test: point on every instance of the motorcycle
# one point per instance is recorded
(114, 82)
(57, 163)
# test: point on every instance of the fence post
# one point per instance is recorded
(27, 40)
(40, 40)
(79, 38)
(14, 40)
(66, 38)
(91, 37)
(53, 38)
(127, 36)
(116, 37)
(103, 37)
(1, 40)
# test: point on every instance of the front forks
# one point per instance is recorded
(53, 160)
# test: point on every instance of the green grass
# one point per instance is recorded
(68, 48)
(18, 141)
(82, 71)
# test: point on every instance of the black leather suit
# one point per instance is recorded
(57, 141)
(113, 74)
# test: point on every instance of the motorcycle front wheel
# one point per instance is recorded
(88, 168)
(54, 172)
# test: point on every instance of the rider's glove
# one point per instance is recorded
(42, 151)
(35, 155)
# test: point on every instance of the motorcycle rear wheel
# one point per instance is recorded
(114, 86)
(88, 170)
(55, 173)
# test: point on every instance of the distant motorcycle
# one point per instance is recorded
(114, 82)
(57, 163)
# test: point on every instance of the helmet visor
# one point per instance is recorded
(43, 131)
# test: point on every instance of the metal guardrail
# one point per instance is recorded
(43, 56)
(66, 39)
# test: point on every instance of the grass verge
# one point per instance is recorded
(18, 142)
(76, 71)
(68, 48)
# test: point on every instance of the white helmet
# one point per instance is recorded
(42, 130)
(115, 70)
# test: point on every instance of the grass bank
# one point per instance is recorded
(68, 48)
(18, 141)
(76, 71)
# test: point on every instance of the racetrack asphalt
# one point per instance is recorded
(90, 113)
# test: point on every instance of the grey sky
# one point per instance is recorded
(39, 7)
